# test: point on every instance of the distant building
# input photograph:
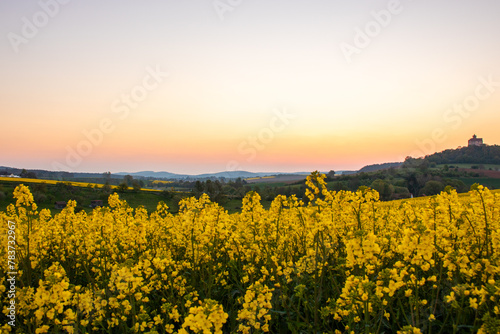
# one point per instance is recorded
(474, 141)
(5, 174)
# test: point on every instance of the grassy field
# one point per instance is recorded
(20, 180)
(83, 194)
(485, 166)
(281, 179)
(485, 181)
(49, 191)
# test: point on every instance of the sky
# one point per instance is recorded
(214, 85)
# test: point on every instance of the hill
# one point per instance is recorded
(55, 175)
(485, 154)
(376, 167)
(217, 175)
(168, 175)
(97, 177)
(157, 175)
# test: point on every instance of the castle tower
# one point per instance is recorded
(474, 141)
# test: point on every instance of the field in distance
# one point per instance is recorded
(287, 179)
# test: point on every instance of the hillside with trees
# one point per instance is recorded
(485, 154)
(429, 175)
(376, 167)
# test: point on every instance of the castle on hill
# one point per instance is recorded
(474, 141)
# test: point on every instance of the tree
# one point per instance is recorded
(413, 184)
(107, 177)
(401, 192)
(106, 188)
(167, 194)
(175, 202)
(330, 174)
(339, 185)
(238, 184)
(198, 189)
(219, 195)
(136, 185)
(423, 166)
(384, 188)
(128, 179)
(28, 175)
(431, 188)
(122, 187)
(459, 185)
(64, 188)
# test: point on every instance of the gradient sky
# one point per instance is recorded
(424, 79)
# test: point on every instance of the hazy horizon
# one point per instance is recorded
(209, 86)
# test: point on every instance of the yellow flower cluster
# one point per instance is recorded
(49, 302)
(256, 307)
(207, 318)
(343, 262)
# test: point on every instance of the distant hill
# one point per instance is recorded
(233, 174)
(56, 175)
(40, 173)
(67, 176)
(227, 175)
(159, 175)
(486, 154)
(376, 167)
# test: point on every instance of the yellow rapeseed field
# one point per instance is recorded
(343, 263)
(28, 180)
(156, 182)
(260, 178)
(72, 183)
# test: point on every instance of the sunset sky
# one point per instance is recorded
(206, 86)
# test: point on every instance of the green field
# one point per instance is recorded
(485, 181)
(46, 194)
(468, 166)
(52, 192)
